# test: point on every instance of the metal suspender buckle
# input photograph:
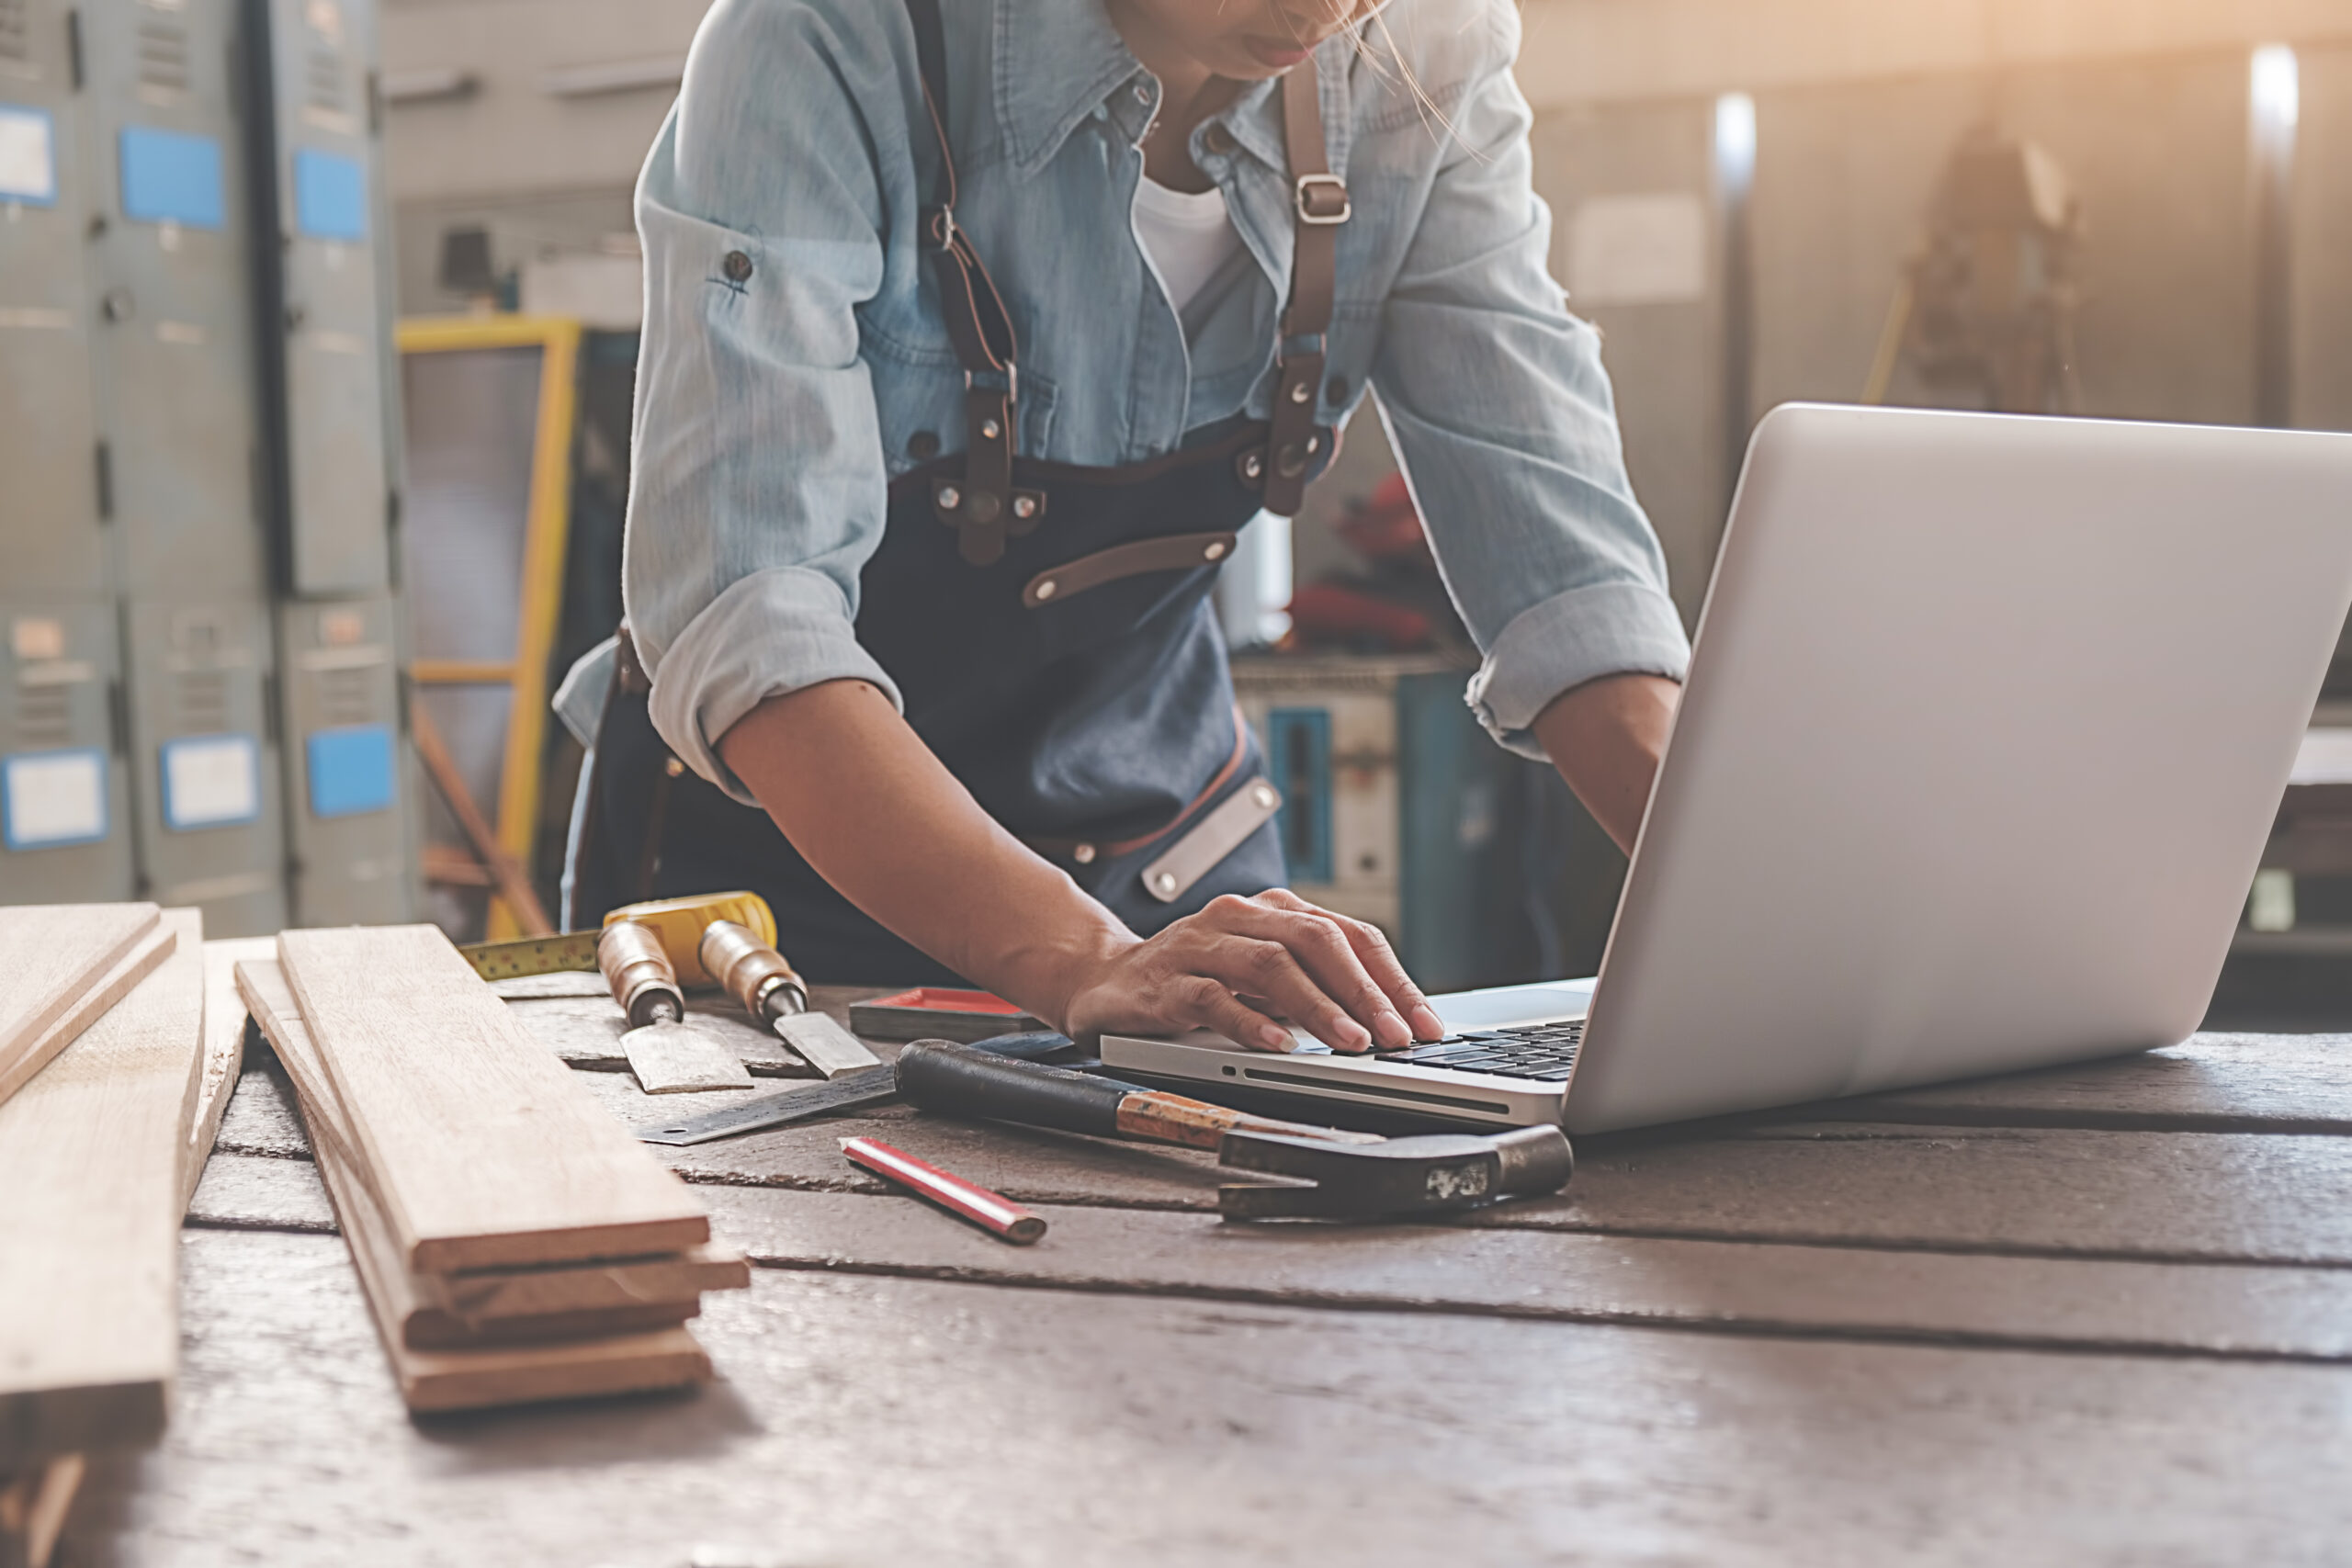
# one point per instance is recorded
(1323, 201)
(939, 228)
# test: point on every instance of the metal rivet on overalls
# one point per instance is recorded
(950, 497)
(1165, 882)
(1253, 466)
(1024, 506)
(738, 267)
(1300, 391)
(991, 430)
(984, 506)
(1264, 795)
(1046, 589)
(1083, 854)
(673, 767)
(1214, 552)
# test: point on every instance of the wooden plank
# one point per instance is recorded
(1192, 1433)
(33, 1508)
(484, 1147)
(147, 950)
(243, 1192)
(224, 1049)
(53, 955)
(90, 1154)
(2214, 1083)
(1715, 1287)
(418, 1311)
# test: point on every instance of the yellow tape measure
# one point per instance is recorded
(679, 922)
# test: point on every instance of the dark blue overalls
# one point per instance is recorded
(1048, 628)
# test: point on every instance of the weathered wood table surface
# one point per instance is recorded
(2096, 1316)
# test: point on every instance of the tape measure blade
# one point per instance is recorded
(533, 955)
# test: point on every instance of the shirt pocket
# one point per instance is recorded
(919, 404)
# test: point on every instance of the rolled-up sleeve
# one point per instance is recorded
(1497, 404)
(757, 492)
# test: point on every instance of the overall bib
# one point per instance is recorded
(1048, 628)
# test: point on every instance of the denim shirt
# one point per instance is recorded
(775, 402)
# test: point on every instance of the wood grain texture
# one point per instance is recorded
(90, 1157)
(484, 1147)
(431, 1312)
(1711, 1286)
(2215, 1083)
(1063, 1428)
(224, 1050)
(51, 955)
(147, 950)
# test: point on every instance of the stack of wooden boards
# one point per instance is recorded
(515, 1241)
(113, 1075)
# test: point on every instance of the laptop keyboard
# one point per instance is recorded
(1541, 1053)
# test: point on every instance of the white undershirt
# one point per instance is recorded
(1186, 237)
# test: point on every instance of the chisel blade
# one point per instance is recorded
(870, 1086)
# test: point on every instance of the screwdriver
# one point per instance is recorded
(667, 1057)
(758, 977)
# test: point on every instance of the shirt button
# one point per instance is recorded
(923, 445)
(738, 267)
(1217, 140)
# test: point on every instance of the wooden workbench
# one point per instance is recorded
(2097, 1315)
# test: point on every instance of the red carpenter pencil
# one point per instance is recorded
(1006, 1221)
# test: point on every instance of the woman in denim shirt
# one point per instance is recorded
(975, 332)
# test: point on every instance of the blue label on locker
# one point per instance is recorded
(169, 177)
(27, 155)
(329, 196)
(351, 770)
(211, 781)
(48, 799)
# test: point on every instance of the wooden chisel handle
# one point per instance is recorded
(751, 972)
(959, 1081)
(638, 969)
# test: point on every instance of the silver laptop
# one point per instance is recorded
(1987, 721)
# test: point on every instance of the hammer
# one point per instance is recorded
(1399, 1178)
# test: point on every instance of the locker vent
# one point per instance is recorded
(343, 698)
(15, 32)
(44, 718)
(204, 702)
(163, 55)
(322, 82)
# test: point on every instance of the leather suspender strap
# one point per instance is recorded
(983, 507)
(1319, 205)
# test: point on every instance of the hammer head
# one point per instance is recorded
(1401, 1178)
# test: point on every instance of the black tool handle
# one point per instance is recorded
(958, 1081)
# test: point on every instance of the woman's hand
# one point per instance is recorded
(1240, 963)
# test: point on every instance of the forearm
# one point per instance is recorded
(866, 802)
(1606, 737)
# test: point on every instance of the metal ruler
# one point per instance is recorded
(533, 955)
(870, 1086)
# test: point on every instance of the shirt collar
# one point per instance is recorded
(1055, 61)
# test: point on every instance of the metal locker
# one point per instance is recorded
(204, 782)
(66, 833)
(347, 802)
(177, 401)
(318, 184)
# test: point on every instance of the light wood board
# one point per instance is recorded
(486, 1150)
(90, 1157)
(408, 1310)
(225, 1048)
(150, 949)
(51, 955)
